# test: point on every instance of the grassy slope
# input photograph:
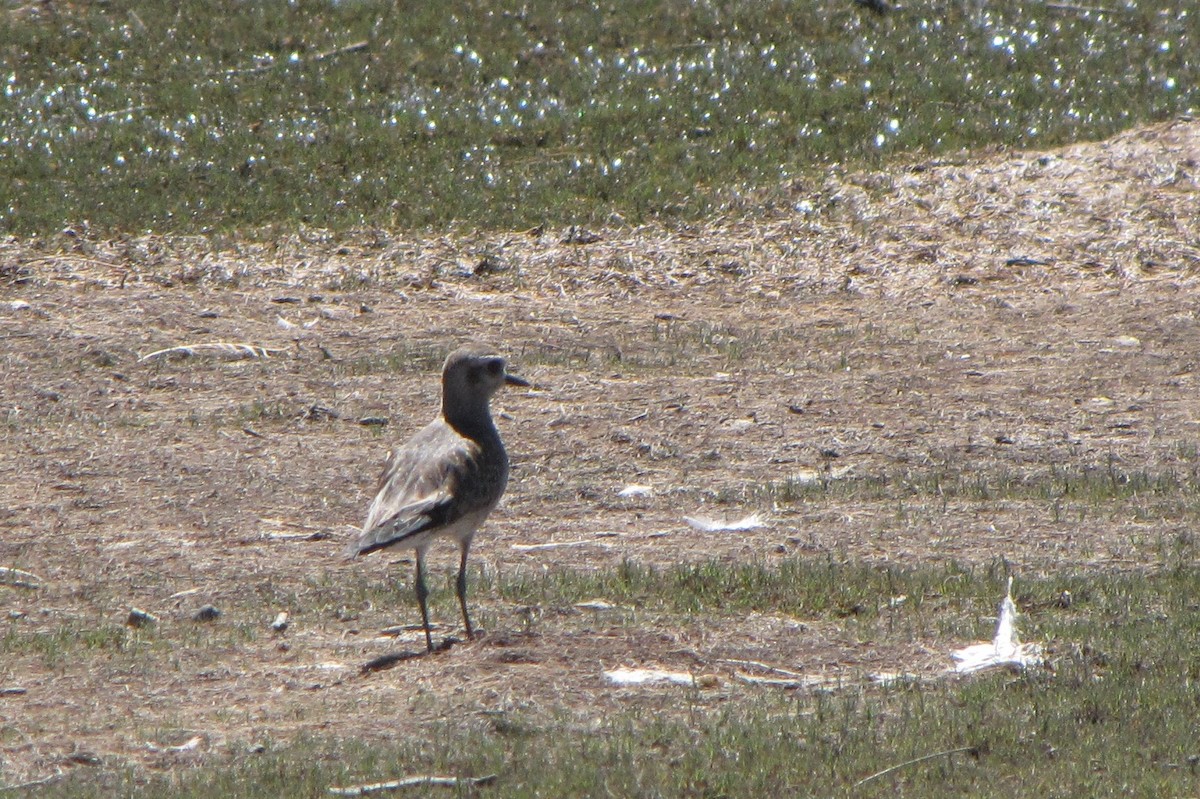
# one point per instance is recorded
(194, 116)
(1109, 719)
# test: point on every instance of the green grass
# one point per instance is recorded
(795, 587)
(1114, 716)
(1167, 492)
(217, 117)
(54, 646)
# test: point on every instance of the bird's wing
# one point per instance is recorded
(427, 513)
(418, 489)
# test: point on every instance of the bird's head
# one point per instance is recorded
(472, 374)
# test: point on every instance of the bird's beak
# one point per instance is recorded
(513, 380)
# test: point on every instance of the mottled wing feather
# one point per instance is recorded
(419, 492)
(406, 522)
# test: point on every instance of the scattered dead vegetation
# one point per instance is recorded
(941, 349)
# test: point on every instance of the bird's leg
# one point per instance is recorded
(422, 596)
(461, 585)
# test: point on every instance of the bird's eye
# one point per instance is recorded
(495, 368)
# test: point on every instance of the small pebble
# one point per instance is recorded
(373, 421)
(140, 618)
(206, 613)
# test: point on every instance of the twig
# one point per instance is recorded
(239, 350)
(346, 48)
(192, 743)
(914, 761)
(73, 259)
(764, 666)
(1082, 9)
(560, 545)
(19, 578)
(319, 535)
(783, 682)
(412, 782)
(706, 525)
(131, 109)
(337, 51)
(298, 525)
(33, 783)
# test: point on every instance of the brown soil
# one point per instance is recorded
(983, 321)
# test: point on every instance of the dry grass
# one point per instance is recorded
(986, 359)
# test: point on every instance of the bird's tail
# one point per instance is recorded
(354, 548)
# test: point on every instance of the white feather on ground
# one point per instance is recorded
(1005, 648)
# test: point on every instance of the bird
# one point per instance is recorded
(446, 479)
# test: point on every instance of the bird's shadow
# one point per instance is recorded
(390, 659)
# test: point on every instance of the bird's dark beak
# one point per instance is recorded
(513, 380)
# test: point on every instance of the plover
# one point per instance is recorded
(448, 477)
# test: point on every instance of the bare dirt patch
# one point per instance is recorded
(948, 346)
